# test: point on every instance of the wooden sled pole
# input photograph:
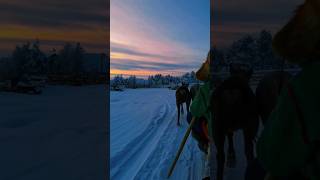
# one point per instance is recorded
(184, 140)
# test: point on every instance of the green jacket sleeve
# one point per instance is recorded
(281, 148)
(200, 106)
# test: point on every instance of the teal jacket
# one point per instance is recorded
(281, 147)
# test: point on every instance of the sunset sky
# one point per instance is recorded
(146, 36)
(172, 37)
(151, 36)
(53, 22)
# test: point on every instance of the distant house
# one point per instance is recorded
(95, 63)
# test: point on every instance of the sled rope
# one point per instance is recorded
(184, 140)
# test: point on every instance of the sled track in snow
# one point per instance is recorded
(157, 165)
(154, 161)
(143, 145)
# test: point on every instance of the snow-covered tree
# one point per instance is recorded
(150, 81)
(264, 49)
(54, 66)
(28, 59)
(78, 60)
(6, 69)
(243, 50)
(157, 80)
(117, 81)
(132, 82)
(219, 60)
(64, 59)
(68, 61)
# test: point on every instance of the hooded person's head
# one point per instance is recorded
(299, 40)
(203, 73)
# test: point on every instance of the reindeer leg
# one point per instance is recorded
(219, 138)
(188, 104)
(182, 108)
(248, 140)
(220, 155)
(178, 107)
(231, 158)
(250, 134)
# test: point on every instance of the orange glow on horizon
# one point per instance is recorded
(141, 73)
(95, 35)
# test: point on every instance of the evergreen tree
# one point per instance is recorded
(132, 82)
(53, 63)
(264, 49)
(150, 81)
(78, 60)
(65, 57)
(117, 81)
(28, 59)
(71, 59)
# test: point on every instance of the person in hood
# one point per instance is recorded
(289, 144)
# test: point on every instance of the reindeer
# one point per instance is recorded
(268, 90)
(182, 96)
(233, 107)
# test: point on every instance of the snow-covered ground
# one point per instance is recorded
(145, 139)
(60, 134)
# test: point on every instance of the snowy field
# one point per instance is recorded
(145, 139)
(60, 134)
